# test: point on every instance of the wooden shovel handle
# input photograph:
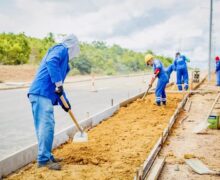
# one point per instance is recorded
(64, 102)
(71, 113)
(146, 93)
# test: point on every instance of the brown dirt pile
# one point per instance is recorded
(20, 73)
(116, 147)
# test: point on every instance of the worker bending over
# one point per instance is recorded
(181, 71)
(217, 70)
(45, 92)
(162, 76)
(169, 70)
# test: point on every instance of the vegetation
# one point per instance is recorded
(98, 58)
(39, 47)
(95, 57)
(14, 49)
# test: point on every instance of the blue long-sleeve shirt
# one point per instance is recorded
(53, 68)
(180, 62)
(157, 64)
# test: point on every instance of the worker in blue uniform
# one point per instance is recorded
(162, 76)
(180, 64)
(217, 70)
(45, 92)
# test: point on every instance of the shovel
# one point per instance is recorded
(145, 93)
(200, 168)
(199, 129)
(80, 136)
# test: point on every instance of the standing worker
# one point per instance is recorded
(162, 76)
(181, 71)
(217, 70)
(45, 92)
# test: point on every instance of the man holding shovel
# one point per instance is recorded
(162, 76)
(45, 92)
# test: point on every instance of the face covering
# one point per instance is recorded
(73, 52)
(72, 43)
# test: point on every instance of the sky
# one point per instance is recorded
(163, 26)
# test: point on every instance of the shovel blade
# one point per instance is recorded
(200, 129)
(80, 137)
(198, 167)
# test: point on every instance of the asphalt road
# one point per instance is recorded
(16, 122)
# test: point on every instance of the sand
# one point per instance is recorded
(116, 147)
(20, 73)
(184, 143)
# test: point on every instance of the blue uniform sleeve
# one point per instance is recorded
(59, 100)
(174, 65)
(217, 66)
(186, 59)
(55, 56)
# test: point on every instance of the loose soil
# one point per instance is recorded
(116, 147)
(20, 73)
(184, 143)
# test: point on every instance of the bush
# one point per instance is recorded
(39, 47)
(14, 49)
(82, 64)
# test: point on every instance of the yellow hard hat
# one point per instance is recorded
(148, 57)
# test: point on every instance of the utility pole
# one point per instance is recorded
(210, 41)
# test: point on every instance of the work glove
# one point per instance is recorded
(62, 105)
(59, 91)
(64, 108)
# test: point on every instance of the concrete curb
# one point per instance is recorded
(158, 146)
(23, 157)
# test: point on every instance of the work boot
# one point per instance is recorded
(56, 160)
(51, 165)
(185, 88)
(180, 88)
(158, 103)
(164, 103)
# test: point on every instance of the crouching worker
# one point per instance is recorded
(161, 74)
(217, 70)
(45, 92)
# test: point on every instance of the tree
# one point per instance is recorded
(149, 52)
(82, 64)
(14, 49)
(39, 47)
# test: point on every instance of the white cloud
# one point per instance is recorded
(179, 32)
(39, 17)
(185, 29)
